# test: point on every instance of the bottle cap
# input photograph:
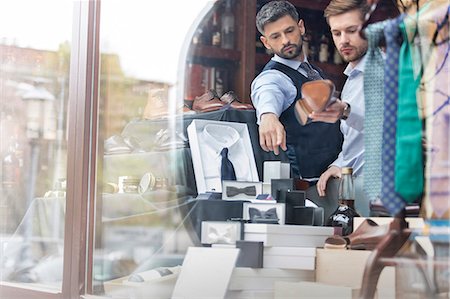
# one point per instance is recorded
(347, 170)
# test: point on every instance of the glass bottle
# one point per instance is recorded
(345, 212)
(347, 188)
(215, 29)
(227, 27)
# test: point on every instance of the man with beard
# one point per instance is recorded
(346, 18)
(312, 147)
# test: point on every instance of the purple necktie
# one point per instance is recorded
(391, 200)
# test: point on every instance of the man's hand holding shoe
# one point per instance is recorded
(334, 112)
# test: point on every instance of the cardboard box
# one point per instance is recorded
(151, 287)
(346, 268)
(206, 139)
(264, 279)
(307, 290)
(287, 235)
(414, 223)
(301, 258)
(220, 232)
(276, 170)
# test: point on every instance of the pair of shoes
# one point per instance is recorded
(117, 144)
(165, 141)
(232, 99)
(316, 96)
(207, 102)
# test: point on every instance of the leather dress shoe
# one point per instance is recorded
(316, 96)
(207, 102)
(232, 99)
(369, 234)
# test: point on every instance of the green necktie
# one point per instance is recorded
(373, 115)
(408, 159)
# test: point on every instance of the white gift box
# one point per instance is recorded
(262, 209)
(220, 232)
(276, 170)
(302, 258)
(206, 139)
(264, 279)
(287, 235)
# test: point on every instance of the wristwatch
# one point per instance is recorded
(346, 111)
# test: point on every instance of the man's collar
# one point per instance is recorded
(358, 68)
(295, 64)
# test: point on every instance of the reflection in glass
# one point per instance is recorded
(33, 91)
(142, 182)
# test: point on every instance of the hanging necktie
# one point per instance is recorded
(391, 200)
(227, 168)
(374, 104)
(408, 160)
(311, 73)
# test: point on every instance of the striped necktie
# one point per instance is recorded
(373, 117)
(311, 73)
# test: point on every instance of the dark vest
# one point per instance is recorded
(313, 147)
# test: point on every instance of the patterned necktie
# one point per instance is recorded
(311, 73)
(391, 200)
(373, 117)
(227, 168)
(408, 160)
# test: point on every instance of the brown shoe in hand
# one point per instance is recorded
(207, 102)
(316, 96)
(232, 99)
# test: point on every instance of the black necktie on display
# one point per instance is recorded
(311, 73)
(233, 191)
(227, 169)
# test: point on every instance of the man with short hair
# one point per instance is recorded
(313, 147)
(346, 18)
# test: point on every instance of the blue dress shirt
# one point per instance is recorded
(273, 91)
(352, 154)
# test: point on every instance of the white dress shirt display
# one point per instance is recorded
(352, 154)
(273, 91)
(212, 140)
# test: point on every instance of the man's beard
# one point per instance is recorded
(292, 53)
(359, 52)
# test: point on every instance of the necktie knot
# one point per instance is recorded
(311, 73)
(224, 152)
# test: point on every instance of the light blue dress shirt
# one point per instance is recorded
(352, 154)
(273, 91)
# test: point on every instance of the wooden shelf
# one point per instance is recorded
(211, 52)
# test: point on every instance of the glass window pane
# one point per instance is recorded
(34, 61)
(143, 189)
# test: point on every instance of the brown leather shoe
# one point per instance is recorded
(232, 99)
(367, 235)
(316, 96)
(207, 102)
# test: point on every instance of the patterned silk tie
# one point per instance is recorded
(391, 200)
(227, 169)
(408, 160)
(311, 73)
(373, 117)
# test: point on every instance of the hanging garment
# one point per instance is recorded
(374, 104)
(409, 177)
(390, 199)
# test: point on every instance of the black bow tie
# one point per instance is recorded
(233, 191)
(256, 215)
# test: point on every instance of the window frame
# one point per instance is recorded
(81, 162)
